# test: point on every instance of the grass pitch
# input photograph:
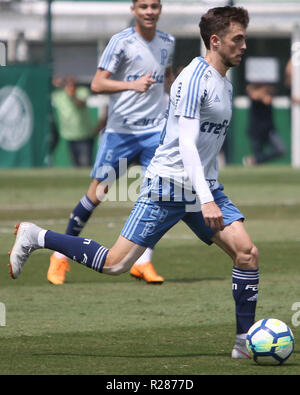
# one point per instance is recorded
(96, 324)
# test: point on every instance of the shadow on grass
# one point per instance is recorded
(195, 280)
(129, 279)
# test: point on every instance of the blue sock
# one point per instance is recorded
(80, 216)
(81, 250)
(245, 292)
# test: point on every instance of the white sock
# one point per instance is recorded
(41, 242)
(41, 238)
(146, 257)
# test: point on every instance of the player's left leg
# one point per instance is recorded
(235, 241)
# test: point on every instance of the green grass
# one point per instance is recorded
(96, 324)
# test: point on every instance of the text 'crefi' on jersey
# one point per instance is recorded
(128, 57)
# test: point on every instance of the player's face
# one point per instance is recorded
(146, 13)
(233, 45)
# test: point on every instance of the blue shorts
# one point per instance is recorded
(114, 146)
(150, 220)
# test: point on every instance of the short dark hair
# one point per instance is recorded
(217, 20)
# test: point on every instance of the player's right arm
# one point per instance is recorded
(103, 83)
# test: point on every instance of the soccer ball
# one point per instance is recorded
(270, 342)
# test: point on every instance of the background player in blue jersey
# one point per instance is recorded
(132, 69)
(181, 182)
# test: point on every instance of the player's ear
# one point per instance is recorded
(214, 41)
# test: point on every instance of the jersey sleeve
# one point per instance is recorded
(112, 55)
(191, 93)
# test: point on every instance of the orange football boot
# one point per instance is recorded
(57, 270)
(147, 273)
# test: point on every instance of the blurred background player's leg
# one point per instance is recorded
(143, 268)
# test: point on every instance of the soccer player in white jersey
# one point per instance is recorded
(132, 69)
(185, 166)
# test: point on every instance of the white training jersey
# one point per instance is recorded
(128, 57)
(198, 92)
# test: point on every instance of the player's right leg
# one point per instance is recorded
(30, 237)
(147, 223)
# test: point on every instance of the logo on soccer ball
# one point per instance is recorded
(16, 119)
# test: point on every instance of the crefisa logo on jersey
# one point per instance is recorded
(16, 118)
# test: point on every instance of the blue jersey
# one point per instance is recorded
(128, 57)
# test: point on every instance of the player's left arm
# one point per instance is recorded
(189, 129)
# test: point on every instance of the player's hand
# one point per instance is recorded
(213, 216)
(142, 84)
